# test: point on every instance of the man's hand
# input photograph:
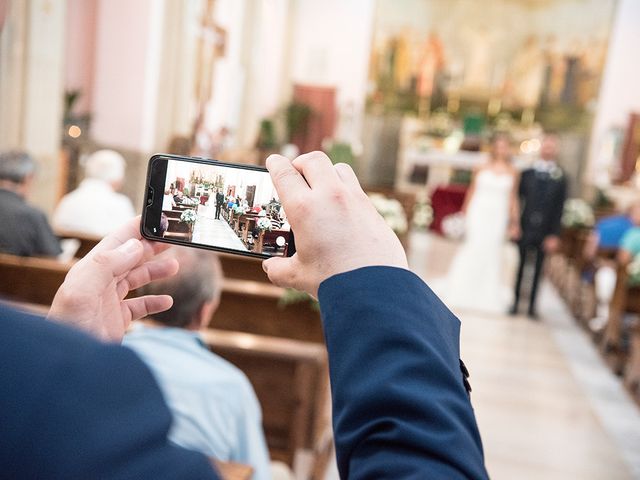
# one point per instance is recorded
(551, 244)
(336, 227)
(92, 296)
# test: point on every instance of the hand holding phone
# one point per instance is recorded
(337, 227)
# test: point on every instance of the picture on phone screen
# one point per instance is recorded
(208, 204)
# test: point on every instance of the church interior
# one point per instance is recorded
(444, 110)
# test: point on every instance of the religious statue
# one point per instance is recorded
(211, 46)
(526, 75)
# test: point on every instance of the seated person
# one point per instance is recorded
(96, 207)
(167, 201)
(178, 197)
(623, 233)
(215, 410)
(25, 230)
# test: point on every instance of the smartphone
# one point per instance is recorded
(215, 205)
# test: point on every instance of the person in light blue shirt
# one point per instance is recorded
(215, 410)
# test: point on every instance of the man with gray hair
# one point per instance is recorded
(95, 207)
(25, 230)
(215, 410)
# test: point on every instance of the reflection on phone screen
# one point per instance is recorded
(227, 207)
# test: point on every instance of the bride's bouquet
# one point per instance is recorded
(453, 226)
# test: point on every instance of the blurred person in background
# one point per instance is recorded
(25, 230)
(475, 280)
(542, 193)
(96, 207)
(215, 410)
(609, 233)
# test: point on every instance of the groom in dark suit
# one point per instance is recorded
(542, 192)
(219, 202)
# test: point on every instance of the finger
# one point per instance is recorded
(105, 266)
(316, 168)
(146, 273)
(348, 176)
(140, 307)
(120, 236)
(282, 272)
(288, 181)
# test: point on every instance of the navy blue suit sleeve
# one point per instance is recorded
(71, 407)
(400, 409)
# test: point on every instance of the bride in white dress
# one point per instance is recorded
(476, 280)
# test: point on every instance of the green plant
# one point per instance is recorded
(292, 296)
(267, 135)
(342, 153)
(297, 118)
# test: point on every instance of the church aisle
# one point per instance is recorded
(210, 231)
(547, 406)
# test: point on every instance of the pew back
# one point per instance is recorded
(290, 379)
(31, 279)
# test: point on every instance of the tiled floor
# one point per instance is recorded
(547, 406)
(209, 231)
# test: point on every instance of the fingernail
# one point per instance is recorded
(130, 246)
(265, 267)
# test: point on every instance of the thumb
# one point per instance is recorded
(111, 264)
(283, 272)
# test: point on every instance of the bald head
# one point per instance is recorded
(106, 165)
(196, 289)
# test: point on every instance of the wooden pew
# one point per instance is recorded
(173, 213)
(254, 307)
(248, 306)
(625, 300)
(87, 242)
(242, 268)
(31, 279)
(291, 381)
(179, 230)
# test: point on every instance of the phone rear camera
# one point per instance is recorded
(150, 196)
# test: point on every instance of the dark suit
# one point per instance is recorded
(71, 407)
(74, 408)
(542, 196)
(219, 203)
(400, 408)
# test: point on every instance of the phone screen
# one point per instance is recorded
(215, 205)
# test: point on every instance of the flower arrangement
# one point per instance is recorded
(633, 269)
(189, 216)
(577, 213)
(422, 212)
(453, 226)
(264, 224)
(392, 212)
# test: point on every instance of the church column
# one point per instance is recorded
(32, 89)
(619, 93)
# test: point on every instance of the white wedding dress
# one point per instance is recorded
(478, 277)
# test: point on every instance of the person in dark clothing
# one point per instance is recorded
(542, 191)
(219, 202)
(25, 230)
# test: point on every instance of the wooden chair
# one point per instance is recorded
(87, 242)
(256, 307)
(31, 279)
(291, 381)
